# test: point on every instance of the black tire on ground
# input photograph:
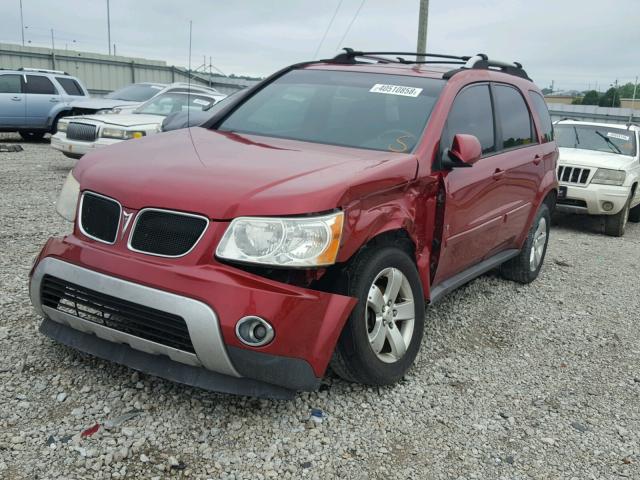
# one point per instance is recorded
(54, 124)
(634, 214)
(354, 358)
(31, 135)
(72, 155)
(526, 266)
(615, 225)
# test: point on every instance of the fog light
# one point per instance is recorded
(607, 206)
(254, 331)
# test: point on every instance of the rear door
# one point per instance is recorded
(42, 96)
(520, 159)
(475, 195)
(12, 101)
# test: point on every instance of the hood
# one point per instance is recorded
(101, 103)
(225, 175)
(593, 158)
(121, 120)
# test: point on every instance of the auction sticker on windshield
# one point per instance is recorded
(396, 90)
(619, 136)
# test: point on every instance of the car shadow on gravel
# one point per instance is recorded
(579, 223)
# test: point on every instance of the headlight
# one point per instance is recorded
(290, 242)
(62, 125)
(68, 200)
(121, 134)
(606, 176)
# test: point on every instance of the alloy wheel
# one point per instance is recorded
(538, 245)
(390, 315)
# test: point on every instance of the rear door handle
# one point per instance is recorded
(54, 100)
(497, 175)
(16, 99)
(537, 159)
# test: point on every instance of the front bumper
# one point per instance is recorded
(210, 299)
(60, 142)
(589, 199)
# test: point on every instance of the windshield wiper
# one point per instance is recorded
(612, 145)
(575, 131)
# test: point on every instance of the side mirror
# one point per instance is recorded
(464, 152)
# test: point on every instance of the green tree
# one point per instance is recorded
(577, 101)
(591, 98)
(610, 98)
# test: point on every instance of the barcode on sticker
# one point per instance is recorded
(619, 136)
(396, 90)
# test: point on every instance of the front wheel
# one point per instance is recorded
(615, 225)
(526, 266)
(382, 336)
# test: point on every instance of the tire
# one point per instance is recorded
(54, 125)
(615, 225)
(634, 214)
(372, 271)
(31, 135)
(526, 266)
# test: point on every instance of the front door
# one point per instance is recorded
(12, 101)
(475, 196)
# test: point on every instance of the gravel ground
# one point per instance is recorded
(512, 381)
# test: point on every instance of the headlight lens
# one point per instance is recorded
(606, 176)
(68, 200)
(121, 134)
(62, 125)
(291, 242)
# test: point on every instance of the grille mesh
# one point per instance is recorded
(112, 312)
(166, 233)
(81, 131)
(100, 217)
(573, 175)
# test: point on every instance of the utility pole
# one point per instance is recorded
(109, 26)
(423, 18)
(552, 85)
(53, 44)
(633, 100)
(21, 23)
(615, 91)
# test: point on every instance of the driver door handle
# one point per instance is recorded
(497, 175)
(16, 99)
(537, 159)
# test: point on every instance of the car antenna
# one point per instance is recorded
(189, 93)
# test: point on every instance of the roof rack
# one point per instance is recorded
(42, 70)
(480, 61)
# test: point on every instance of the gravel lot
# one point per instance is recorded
(512, 382)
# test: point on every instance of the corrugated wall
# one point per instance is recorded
(104, 73)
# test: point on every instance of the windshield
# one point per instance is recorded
(354, 109)
(592, 137)
(138, 92)
(175, 102)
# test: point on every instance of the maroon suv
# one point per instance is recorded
(304, 224)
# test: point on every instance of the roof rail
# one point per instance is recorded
(479, 61)
(42, 70)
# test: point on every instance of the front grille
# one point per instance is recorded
(100, 217)
(81, 131)
(573, 175)
(112, 312)
(165, 233)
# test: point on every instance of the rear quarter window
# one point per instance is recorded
(70, 86)
(540, 107)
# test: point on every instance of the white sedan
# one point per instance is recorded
(81, 134)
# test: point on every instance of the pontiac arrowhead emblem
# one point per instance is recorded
(126, 217)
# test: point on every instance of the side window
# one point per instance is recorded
(70, 86)
(10, 84)
(514, 118)
(472, 114)
(40, 85)
(540, 106)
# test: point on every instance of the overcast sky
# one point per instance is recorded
(574, 42)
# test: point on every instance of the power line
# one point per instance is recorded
(350, 24)
(328, 28)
